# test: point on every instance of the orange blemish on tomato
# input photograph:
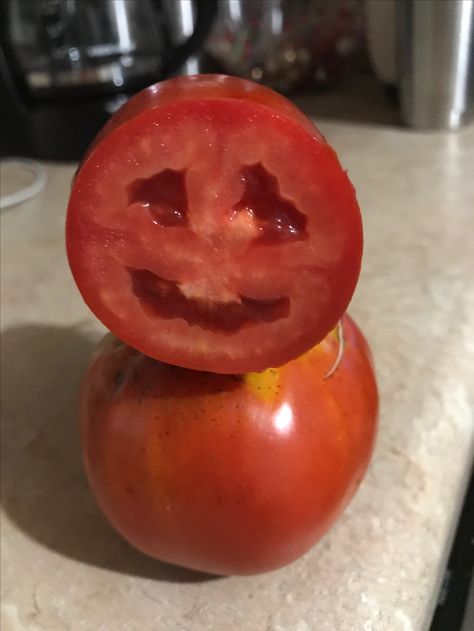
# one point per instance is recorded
(329, 346)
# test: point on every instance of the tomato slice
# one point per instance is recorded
(211, 226)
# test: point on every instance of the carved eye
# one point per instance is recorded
(277, 219)
(164, 196)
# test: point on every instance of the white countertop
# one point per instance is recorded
(378, 569)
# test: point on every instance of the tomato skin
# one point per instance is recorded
(143, 279)
(228, 474)
(210, 86)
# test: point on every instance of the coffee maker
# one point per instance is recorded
(67, 65)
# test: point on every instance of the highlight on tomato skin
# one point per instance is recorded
(228, 474)
(211, 226)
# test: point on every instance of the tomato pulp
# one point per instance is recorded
(230, 474)
(211, 226)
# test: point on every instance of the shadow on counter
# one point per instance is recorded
(44, 489)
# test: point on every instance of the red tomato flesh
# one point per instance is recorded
(212, 227)
(229, 474)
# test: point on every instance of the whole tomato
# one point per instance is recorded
(229, 474)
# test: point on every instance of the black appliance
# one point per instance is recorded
(67, 65)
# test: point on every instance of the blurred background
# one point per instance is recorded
(64, 61)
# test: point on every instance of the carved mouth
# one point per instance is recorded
(165, 299)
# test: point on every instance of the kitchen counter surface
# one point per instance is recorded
(379, 568)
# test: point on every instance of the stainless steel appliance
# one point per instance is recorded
(436, 62)
(66, 65)
(424, 50)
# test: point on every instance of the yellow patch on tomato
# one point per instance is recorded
(264, 385)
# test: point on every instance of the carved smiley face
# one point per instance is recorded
(214, 234)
